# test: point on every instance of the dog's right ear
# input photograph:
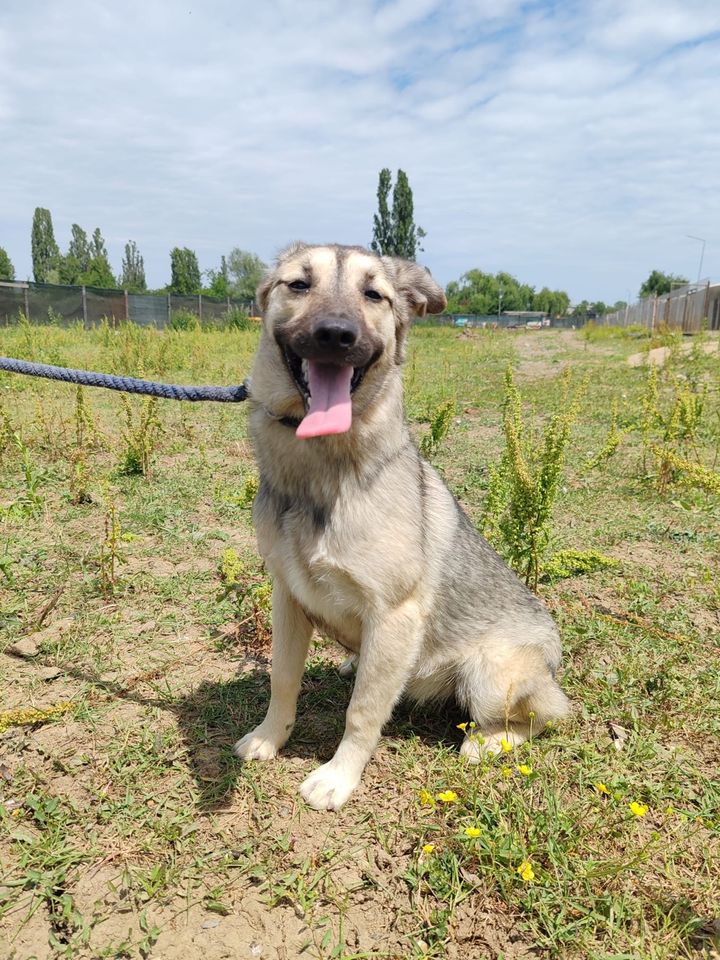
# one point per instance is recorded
(415, 283)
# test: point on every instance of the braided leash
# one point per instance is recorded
(87, 378)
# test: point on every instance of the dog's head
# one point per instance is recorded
(339, 316)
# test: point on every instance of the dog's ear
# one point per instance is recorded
(262, 294)
(417, 286)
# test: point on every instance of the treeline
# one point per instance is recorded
(86, 263)
(492, 293)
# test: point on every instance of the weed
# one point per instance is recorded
(184, 320)
(440, 422)
(524, 484)
(611, 442)
(572, 563)
(141, 435)
(249, 591)
(110, 553)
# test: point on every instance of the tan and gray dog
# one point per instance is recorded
(363, 539)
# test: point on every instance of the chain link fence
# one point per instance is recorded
(45, 302)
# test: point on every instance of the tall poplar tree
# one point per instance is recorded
(45, 251)
(395, 233)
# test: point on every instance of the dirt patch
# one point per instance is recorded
(658, 356)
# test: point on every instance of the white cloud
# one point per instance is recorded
(574, 144)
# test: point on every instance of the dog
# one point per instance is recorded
(363, 540)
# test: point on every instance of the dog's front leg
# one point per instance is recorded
(388, 651)
(291, 631)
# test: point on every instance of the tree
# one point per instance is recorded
(395, 233)
(45, 251)
(488, 294)
(79, 247)
(7, 270)
(77, 260)
(218, 282)
(185, 276)
(245, 271)
(659, 283)
(98, 272)
(382, 241)
(133, 269)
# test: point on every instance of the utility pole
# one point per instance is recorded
(702, 252)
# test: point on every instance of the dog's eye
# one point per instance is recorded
(299, 285)
(373, 295)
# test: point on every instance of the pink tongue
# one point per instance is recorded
(330, 404)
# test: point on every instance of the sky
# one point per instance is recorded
(573, 143)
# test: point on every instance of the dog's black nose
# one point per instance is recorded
(335, 334)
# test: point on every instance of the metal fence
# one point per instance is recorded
(688, 308)
(45, 302)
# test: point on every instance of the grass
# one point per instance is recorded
(127, 826)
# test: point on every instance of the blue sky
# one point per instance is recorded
(574, 144)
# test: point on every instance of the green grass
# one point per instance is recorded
(129, 829)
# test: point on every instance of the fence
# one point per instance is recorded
(688, 309)
(43, 302)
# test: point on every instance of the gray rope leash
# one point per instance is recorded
(88, 378)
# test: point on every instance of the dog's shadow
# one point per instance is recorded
(215, 715)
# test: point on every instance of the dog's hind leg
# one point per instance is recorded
(388, 652)
(291, 631)
(511, 694)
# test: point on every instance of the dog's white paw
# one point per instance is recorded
(348, 667)
(257, 745)
(328, 787)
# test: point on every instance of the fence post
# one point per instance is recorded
(169, 316)
(84, 305)
(127, 306)
(200, 307)
(27, 305)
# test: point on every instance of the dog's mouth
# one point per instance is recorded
(326, 389)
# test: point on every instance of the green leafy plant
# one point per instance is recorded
(141, 435)
(524, 485)
(611, 443)
(249, 591)
(184, 320)
(573, 563)
(440, 422)
(110, 553)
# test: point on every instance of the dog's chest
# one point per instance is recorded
(316, 564)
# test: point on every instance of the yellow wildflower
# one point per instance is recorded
(524, 769)
(428, 848)
(506, 747)
(639, 809)
(30, 716)
(526, 871)
(601, 788)
(426, 798)
(462, 726)
(670, 810)
(472, 832)
(472, 724)
(447, 796)
(506, 772)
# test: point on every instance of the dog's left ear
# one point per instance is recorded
(416, 284)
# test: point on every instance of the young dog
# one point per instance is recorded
(364, 541)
